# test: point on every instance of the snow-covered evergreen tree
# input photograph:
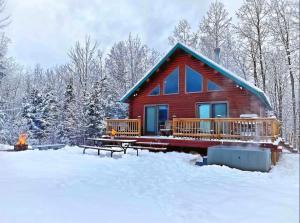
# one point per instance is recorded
(69, 124)
(95, 111)
(33, 113)
(50, 116)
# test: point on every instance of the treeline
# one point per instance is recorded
(57, 104)
(260, 43)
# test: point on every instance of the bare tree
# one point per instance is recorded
(4, 19)
(127, 61)
(276, 67)
(253, 26)
(286, 33)
(81, 64)
(214, 28)
(183, 33)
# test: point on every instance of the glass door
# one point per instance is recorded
(204, 111)
(213, 110)
(155, 118)
(219, 110)
(162, 116)
(150, 120)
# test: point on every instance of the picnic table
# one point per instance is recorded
(112, 145)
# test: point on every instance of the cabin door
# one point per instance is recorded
(155, 117)
(204, 111)
(150, 120)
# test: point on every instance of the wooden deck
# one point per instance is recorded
(197, 144)
(241, 129)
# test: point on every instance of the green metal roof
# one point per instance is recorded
(235, 78)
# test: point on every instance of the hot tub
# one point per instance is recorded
(244, 158)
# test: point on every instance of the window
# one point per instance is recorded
(171, 82)
(219, 110)
(211, 86)
(155, 91)
(193, 80)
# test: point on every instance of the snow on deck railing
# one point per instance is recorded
(257, 129)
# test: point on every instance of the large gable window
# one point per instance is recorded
(155, 91)
(211, 86)
(171, 82)
(193, 80)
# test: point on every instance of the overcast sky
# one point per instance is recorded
(42, 31)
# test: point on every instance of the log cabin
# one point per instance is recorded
(199, 99)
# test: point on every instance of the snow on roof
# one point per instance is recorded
(237, 79)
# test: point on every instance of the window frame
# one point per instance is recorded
(178, 90)
(185, 81)
(157, 86)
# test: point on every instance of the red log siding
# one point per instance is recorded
(183, 105)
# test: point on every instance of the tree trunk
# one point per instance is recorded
(293, 92)
(262, 72)
(256, 83)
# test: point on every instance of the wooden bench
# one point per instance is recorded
(111, 149)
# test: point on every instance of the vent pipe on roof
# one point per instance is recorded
(217, 54)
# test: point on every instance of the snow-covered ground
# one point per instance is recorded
(68, 186)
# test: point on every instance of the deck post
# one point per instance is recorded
(275, 130)
(139, 125)
(174, 123)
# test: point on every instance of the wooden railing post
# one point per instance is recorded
(139, 126)
(174, 125)
(274, 130)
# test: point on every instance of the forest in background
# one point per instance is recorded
(261, 44)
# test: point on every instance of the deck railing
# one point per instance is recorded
(259, 129)
(124, 127)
